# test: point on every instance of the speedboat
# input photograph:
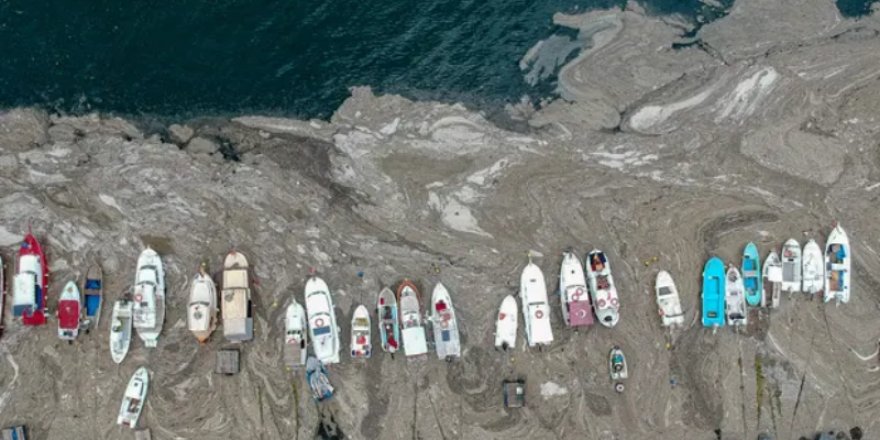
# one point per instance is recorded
(573, 293)
(535, 309)
(772, 281)
(713, 293)
(411, 323)
(68, 312)
(838, 258)
(813, 268)
(389, 322)
(134, 399)
(791, 266)
(149, 297)
(506, 325)
(751, 275)
(602, 288)
(31, 283)
(295, 335)
(201, 315)
(323, 330)
(445, 324)
(120, 329)
(668, 301)
(734, 298)
(360, 334)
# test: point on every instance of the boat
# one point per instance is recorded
(295, 335)
(201, 312)
(317, 377)
(31, 283)
(813, 271)
(838, 258)
(668, 301)
(505, 325)
(149, 297)
(791, 266)
(444, 322)
(736, 307)
(771, 281)
(68, 312)
(602, 288)
(617, 368)
(134, 398)
(323, 329)
(577, 311)
(93, 288)
(120, 329)
(535, 309)
(751, 275)
(713, 293)
(389, 323)
(2, 295)
(412, 326)
(360, 334)
(237, 307)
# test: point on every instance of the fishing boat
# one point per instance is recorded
(134, 398)
(713, 293)
(772, 281)
(360, 334)
(317, 377)
(389, 323)
(813, 271)
(2, 295)
(31, 283)
(602, 288)
(668, 301)
(736, 307)
(838, 257)
(120, 329)
(93, 297)
(149, 297)
(617, 368)
(323, 330)
(68, 312)
(536, 310)
(791, 266)
(237, 307)
(575, 297)
(295, 335)
(201, 312)
(505, 324)
(751, 275)
(412, 326)
(445, 324)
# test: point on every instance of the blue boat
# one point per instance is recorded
(713, 293)
(319, 383)
(751, 273)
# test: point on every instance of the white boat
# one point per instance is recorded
(201, 315)
(536, 310)
(791, 266)
(617, 368)
(295, 335)
(323, 330)
(236, 307)
(772, 274)
(361, 348)
(134, 399)
(68, 313)
(602, 288)
(120, 329)
(412, 325)
(149, 297)
(505, 324)
(735, 305)
(668, 301)
(813, 271)
(445, 324)
(838, 258)
(573, 292)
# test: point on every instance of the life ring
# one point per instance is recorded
(601, 303)
(577, 294)
(539, 314)
(319, 322)
(614, 302)
(582, 313)
(138, 297)
(444, 324)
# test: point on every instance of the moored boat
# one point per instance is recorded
(535, 309)
(120, 329)
(617, 368)
(388, 321)
(772, 281)
(149, 297)
(361, 348)
(31, 283)
(736, 307)
(445, 324)
(813, 271)
(323, 329)
(506, 324)
(411, 323)
(295, 335)
(838, 258)
(751, 275)
(603, 288)
(318, 379)
(68, 312)
(93, 287)
(134, 398)
(236, 306)
(668, 301)
(201, 311)
(791, 266)
(573, 292)
(713, 293)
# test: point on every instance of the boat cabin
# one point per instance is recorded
(227, 361)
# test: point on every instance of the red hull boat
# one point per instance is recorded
(31, 252)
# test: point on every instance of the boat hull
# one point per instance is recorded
(668, 301)
(201, 313)
(31, 286)
(506, 324)
(323, 329)
(295, 336)
(838, 258)
(134, 399)
(577, 309)
(388, 321)
(445, 324)
(535, 308)
(713, 293)
(120, 329)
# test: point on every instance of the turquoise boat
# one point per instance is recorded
(751, 273)
(713, 293)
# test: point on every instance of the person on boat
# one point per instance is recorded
(597, 263)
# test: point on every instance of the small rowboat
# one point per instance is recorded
(389, 324)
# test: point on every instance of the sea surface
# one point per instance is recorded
(289, 57)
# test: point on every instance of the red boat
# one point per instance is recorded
(31, 283)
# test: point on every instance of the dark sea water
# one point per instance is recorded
(291, 57)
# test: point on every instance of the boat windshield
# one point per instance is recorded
(320, 331)
(665, 291)
(317, 292)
